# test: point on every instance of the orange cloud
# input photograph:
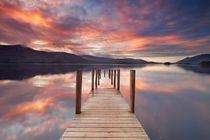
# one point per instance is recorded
(141, 42)
(32, 17)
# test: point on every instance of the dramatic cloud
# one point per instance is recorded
(147, 29)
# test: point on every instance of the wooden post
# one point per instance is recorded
(132, 91)
(96, 79)
(109, 74)
(118, 79)
(104, 72)
(99, 74)
(92, 79)
(78, 91)
(114, 78)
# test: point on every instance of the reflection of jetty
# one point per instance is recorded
(105, 115)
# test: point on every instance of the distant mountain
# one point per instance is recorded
(195, 59)
(20, 71)
(21, 54)
(113, 60)
(97, 59)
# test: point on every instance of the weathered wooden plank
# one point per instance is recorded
(106, 108)
(105, 115)
(103, 134)
(139, 138)
(113, 111)
(108, 119)
(103, 125)
(105, 121)
(108, 129)
(113, 116)
(117, 114)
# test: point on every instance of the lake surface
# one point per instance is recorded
(37, 101)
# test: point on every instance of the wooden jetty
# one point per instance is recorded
(105, 114)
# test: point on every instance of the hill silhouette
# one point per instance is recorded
(195, 59)
(21, 54)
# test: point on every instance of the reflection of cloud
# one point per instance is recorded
(174, 87)
(38, 112)
(49, 80)
(140, 85)
(5, 82)
(64, 126)
(164, 80)
(40, 83)
(162, 94)
(168, 98)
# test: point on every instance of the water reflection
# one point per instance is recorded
(37, 108)
(23, 71)
(196, 69)
(171, 103)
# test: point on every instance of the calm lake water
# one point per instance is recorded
(37, 101)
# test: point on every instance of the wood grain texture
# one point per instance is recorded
(96, 78)
(132, 91)
(114, 78)
(78, 91)
(118, 79)
(92, 82)
(105, 116)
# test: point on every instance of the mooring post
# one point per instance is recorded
(132, 91)
(92, 84)
(104, 73)
(96, 79)
(118, 79)
(114, 78)
(78, 91)
(100, 74)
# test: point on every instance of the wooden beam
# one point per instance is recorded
(92, 83)
(104, 73)
(78, 91)
(132, 91)
(96, 79)
(118, 79)
(114, 78)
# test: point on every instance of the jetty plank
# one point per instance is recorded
(105, 116)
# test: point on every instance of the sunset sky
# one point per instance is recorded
(156, 30)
